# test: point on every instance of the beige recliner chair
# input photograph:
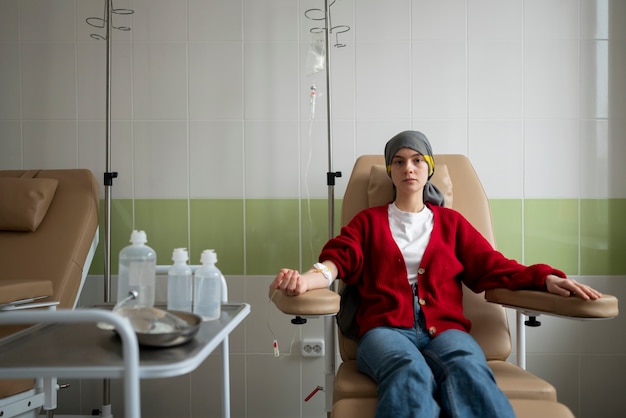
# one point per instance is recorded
(48, 236)
(355, 394)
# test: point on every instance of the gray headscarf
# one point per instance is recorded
(417, 141)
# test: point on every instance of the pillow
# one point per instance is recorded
(24, 202)
(380, 188)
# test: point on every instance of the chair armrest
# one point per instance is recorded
(312, 303)
(535, 302)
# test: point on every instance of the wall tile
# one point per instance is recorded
(165, 223)
(447, 136)
(10, 106)
(562, 371)
(495, 19)
(439, 79)
(47, 21)
(503, 177)
(602, 380)
(617, 150)
(388, 22)
(42, 99)
(92, 149)
(271, 159)
(11, 155)
(285, 386)
(372, 135)
(314, 159)
(159, 20)
(595, 167)
(553, 143)
(495, 79)
(160, 81)
(551, 233)
(595, 232)
(594, 19)
(617, 9)
(262, 219)
(391, 98)
(9, 21)
(551, 79)
(218, 20)
(555, 335)
(92, 80)
(439, 20)
(50, 144)
(594, 79)
(344, 148)
(506, 215)
(218, 224)
(215, 71)
(206, 388)
(343, 83)
(273, 20)
(214, 146)
(551, 19)
(270, 79)
(161, 159)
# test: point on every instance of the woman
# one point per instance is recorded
(408, 260)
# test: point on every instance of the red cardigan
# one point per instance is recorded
(366, 254)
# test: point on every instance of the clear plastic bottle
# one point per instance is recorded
(207, 288)
(137, 271)
(179, 282)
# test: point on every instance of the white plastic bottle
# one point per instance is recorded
(179, 282)
(207, 287)
(137, 271)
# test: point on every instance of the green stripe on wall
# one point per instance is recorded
(259, 236)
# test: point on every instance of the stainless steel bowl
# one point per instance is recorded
(172, 337)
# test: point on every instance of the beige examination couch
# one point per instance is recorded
(48, 235)
(354, 394)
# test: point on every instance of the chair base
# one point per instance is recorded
(524, 408)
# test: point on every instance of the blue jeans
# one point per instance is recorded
(421, 376)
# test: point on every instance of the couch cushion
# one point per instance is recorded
(380, 188)
(25, 202)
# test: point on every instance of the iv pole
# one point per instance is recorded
(329, 324)
(108, 182)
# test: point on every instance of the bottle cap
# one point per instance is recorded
(208, 256)
(180, 254)
(138, 237)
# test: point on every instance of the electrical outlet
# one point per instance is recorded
(313, 347)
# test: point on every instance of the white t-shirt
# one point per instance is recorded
(411, 231)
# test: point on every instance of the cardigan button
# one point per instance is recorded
(432, 331)
(421, 270)
(421, 301)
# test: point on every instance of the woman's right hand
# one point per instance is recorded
(290, 282)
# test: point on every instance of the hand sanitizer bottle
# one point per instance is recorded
(137, 271)
(179, 282)
(207, 291)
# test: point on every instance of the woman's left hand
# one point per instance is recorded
(570, 287)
